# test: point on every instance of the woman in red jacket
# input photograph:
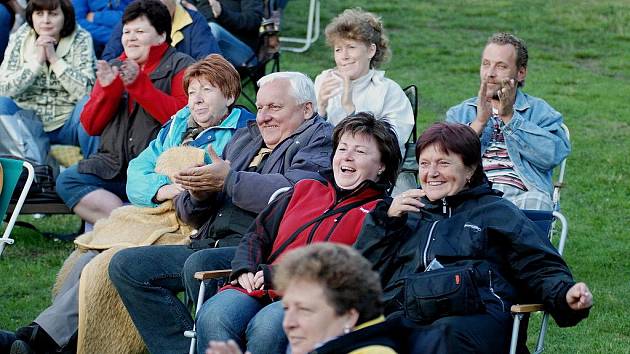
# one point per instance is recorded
(134, 96)
(365, 164)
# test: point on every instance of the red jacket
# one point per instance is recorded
(271, 234)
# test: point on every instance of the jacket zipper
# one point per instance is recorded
(492, 291)
(426, 247)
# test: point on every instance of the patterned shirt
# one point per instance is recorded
(496, 160)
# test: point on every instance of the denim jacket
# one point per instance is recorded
(534, 137)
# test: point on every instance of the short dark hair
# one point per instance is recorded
(455, 138)
(384, 135)
(217, 71)
(69, 21)
(504, 38)
(156, 12)
(347, 278)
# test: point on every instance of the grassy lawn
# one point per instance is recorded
(579, 62)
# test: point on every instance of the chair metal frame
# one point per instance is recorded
(8, 188)
(312, 30)
(521, 311)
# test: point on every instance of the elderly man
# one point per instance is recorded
(287, 143)
(521, 136)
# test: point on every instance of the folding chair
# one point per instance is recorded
(312, 30)
(11, 171)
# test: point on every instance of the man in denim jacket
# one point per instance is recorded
(521, 136)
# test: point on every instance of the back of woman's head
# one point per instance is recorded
(381, 130)
(347, 278)
(362, 26)
(155, 11)
(455, 138)
(218, 72)
(69, 21)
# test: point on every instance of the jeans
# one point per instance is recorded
(148, 280)
(72, 186)
(232, 314)
(5, 28)
(233, 49)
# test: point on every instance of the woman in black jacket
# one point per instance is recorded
(454, 256)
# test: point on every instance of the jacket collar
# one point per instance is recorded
(181, 19)
(520, 104)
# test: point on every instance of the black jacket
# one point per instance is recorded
(512, 260)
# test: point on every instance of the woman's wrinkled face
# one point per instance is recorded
(353, 57)
(138, 37)
(48, 22)
(208, 106)
(356, 159)
(309, 320)
(442, 174)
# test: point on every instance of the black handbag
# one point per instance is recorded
(449, 291)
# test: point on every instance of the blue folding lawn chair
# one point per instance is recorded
(11, 171)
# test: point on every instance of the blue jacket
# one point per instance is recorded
(142, 180)
(534, 137)
(107, 13)
(198, 41)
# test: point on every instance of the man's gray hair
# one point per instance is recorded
(302, 87)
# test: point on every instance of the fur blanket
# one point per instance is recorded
(104, 324)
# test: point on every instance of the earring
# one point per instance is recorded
(346, 329)
(468, 180)
(380, 172)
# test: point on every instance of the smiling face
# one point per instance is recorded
(498, 62)
(309, 319)
(353, 57)
(356, 159)
(442, 174)
(48, 22)
(138, 37)
(207, 103)
(278, 114)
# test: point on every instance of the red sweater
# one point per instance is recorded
(104, 101)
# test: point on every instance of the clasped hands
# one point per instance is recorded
(506, 96)
(335, 82)
(46, 49)
(250, 281)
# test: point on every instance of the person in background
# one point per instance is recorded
(99, 17)
(332, 304)
(522, 139)
(364, 165)
(8, 10)
(134, 96)
(49, 69)
(235, 24)
(360, 46)
(189, 34)
(466, 253)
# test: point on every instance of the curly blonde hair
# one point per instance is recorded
(363, 26)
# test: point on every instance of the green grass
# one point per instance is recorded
(579, 63)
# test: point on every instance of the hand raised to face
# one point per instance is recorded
(105, 73)
(507, 96)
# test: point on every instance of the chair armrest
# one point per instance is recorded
(213, 274)
(526, 308)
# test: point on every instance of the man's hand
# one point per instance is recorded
(250, 281)
(216, 7)
(168, 192)
(484, 108)
(129, 71)
(207, 178)
(407, 201)
(579, 297)
(331, 86)
(507, 96)
(229, 347)
(105, 74)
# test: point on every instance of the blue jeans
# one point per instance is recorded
(233, 49)
(72, 186)
(253, 324)
(5, 28)
(71, 133)
(148, 280)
